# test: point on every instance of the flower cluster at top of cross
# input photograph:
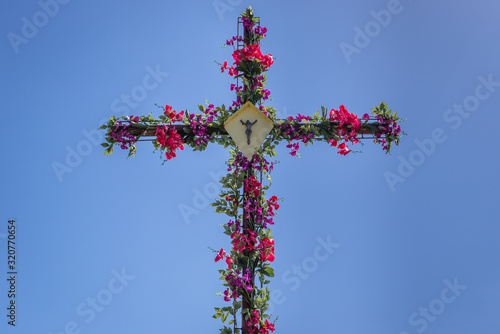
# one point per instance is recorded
(249, 64)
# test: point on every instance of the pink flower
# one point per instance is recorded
(294, 147)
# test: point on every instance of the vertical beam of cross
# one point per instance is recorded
(245, 304)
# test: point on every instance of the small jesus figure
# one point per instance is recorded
(248, 131)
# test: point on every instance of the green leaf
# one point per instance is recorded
(269, 179)
(104, 144)
(109, 150)
(237, 304)
(268, 271)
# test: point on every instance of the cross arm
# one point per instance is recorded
(147, 132)
(197, 130)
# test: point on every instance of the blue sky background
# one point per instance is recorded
(405, 227)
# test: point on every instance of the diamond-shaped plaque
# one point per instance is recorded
(248, 127)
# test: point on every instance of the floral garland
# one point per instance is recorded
(248, 262)
(250, 213)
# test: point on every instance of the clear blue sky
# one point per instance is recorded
(102, 244)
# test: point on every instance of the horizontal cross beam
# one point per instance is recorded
(142, 131)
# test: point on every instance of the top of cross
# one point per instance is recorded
(250, 65)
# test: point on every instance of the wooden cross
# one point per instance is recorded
(252, 132)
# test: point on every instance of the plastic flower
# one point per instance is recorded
(220, 255)
(346, 128)
(267, 250)
(170, 140)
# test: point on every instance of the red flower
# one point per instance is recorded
(223, 67)
(252, 186)
(272, 204)
(244, 241)
(343, 149)
(220, 255)
(269, 326)
(172, 114)
(232, 71)
(267, 61)
(267, 250)
(228, 261)
(251, 52)
(347, 126)
(237, 57)
(169, 138)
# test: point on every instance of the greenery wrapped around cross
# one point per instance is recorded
(251, 130)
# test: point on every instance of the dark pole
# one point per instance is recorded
(245, 304)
